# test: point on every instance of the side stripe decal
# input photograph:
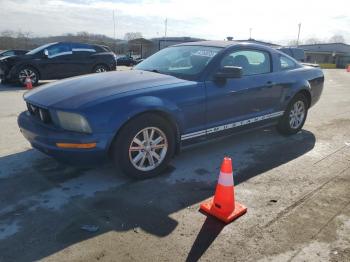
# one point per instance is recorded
(232, 125)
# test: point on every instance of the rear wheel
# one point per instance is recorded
(28, 72)
(100, 69)
(294, 117)
(144, 146)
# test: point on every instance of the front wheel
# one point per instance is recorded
(294, 117)
(28, 72)
(144, 146)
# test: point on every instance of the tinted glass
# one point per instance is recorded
(8, 53)
(180, 61)
(59, 49)
(253, 62)
(38, 49)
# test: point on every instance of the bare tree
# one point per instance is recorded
(293, 43)
(312, 41)
(132, 35)
(337, 39)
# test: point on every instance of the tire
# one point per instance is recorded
(28, 71)
(294, 117)
(100, 68)
(124, 149)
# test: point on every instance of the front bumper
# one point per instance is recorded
(44, 138)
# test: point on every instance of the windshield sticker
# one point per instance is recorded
(206, 53)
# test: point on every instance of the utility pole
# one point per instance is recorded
(165, 30)
(299, 26)
(250, 33)
(114, 26)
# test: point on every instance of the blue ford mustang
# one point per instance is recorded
(180, 95)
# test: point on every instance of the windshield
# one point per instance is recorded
(38, 49)
(180, 61)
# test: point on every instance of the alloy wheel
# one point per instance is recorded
(24, 73)
(297, 114)
(148, 149)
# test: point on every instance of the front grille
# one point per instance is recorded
(41, 113)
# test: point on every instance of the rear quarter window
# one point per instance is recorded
(286, 63)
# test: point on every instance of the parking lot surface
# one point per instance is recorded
(297, 190)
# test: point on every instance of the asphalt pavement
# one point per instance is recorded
(296, 190)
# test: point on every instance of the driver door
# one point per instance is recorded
(238, 99)
(58, 62)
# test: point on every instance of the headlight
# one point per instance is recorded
(73, 122)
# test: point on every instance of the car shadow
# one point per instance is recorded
(45, 203)
(16, 87)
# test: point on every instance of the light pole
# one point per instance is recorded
(299, 26)
(114, 26)
(165, 30)
(250, 33)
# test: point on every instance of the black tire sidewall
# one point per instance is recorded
(284, 125)
(120, 147)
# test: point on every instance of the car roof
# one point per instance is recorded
(211, 43)
(225, 44)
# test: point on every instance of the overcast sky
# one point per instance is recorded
(272, 20)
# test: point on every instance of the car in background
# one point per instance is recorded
(183, 94)
(57, 61)
(126, 61)
(12, 52)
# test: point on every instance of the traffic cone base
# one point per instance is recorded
(209, 208)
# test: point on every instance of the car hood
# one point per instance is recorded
(75, 92)
(15, 58)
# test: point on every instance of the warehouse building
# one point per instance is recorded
(147, 47)
(331, 54)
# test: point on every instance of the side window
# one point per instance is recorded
(59, 49)
(9, 53)
(286, 63)
(77, 47)
(253, 62)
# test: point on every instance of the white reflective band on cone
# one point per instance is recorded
(225, 179)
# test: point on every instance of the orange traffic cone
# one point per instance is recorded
(223, 205)
(28, 83)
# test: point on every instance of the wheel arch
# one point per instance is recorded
(307, 95)
(15, 70)
(163, 114)
(300, 87)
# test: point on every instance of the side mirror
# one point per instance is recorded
(229, 72)
(46, 53)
